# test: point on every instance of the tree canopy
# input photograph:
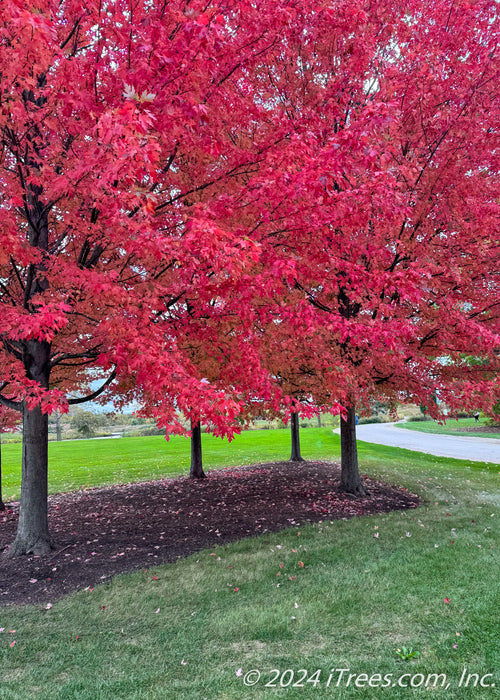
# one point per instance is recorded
(186, 187)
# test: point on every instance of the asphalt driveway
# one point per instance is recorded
(473, 448)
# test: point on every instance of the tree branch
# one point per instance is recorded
(96, 393)
(73, 30)
(14, 405)
(16, 272)
(91, 354)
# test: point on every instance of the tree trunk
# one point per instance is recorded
(33, 529)
(294, 425)
(350, 481)
(319, 420)
(58, 427)
(2, 505)
(196, 471)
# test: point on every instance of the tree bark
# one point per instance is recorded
(350, 481)
(294, 426)
(58, 427)
(196, 471)
(319, 420)
(33, 530)
(2, 505)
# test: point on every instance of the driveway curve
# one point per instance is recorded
(473, 448)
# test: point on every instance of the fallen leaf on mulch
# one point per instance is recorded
(135, 526)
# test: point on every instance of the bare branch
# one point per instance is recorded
(96, 393)
(91, 354)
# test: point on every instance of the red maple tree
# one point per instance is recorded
(127, 134)
(394, 279)
(327, 167)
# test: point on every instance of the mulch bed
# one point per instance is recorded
(98, 533)
(478, 429)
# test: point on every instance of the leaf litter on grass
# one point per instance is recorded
(101, 532)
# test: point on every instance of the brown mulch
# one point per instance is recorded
(478, 429)
(101, 532)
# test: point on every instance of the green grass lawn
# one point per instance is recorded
(79, 463)
(451, 427)
(357, 599)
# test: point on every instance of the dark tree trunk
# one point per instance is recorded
(58, 427)
(196, 471)
(2, 505)
(319, 420)
(350, 481)
(294, 425)
(33, 530)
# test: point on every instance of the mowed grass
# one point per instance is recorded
(193, 629)
(451, 427)
(74, 464)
